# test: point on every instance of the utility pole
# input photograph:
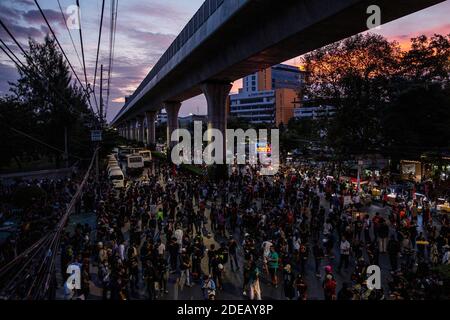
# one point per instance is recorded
(101, 95)
(101, 123)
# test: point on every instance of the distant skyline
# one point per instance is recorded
(144, 31)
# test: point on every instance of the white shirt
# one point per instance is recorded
(179, 235)
(161, 248)
(266, 246)
(446, 258)
(327, 228)
(122, 252)
(345, 247)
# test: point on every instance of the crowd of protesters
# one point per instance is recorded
(282, 231)
(30, 209)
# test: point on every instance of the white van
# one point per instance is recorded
(135, 164)
(146, 155)
(113, 163)
(117, 178)
(113, 168)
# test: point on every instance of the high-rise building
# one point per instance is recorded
(267, 96)
(314, 112)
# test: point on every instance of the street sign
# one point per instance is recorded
(96, 135)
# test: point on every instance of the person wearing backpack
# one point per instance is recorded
(329, 287)
(208, 288)
(301, 287)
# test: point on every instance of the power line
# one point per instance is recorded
(81, 43)
(63, 52)
(34, 269)
(59, 44)
(113, 26)
(98, 49)
(25, 70)
(9, 52)
(41, 283)
(38, 140)
(70, 34)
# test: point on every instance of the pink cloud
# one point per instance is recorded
(405, 40)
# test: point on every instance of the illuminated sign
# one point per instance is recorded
(263, 148)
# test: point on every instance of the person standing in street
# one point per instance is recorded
(232, 250)
(288, 282)
(273, 263)
(345, 253)
(253, 282)
(383, 234)
(393, 250)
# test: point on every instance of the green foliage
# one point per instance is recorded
(418, 122)
(387, 101)
(44, 103)
(159, 155)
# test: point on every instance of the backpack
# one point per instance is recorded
(330, 287)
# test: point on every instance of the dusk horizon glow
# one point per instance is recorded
(144, 32)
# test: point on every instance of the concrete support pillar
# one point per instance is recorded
(134, 130)
(129, 130)
(141, 133)
(150, 117)
(172, 109)
(216, 94)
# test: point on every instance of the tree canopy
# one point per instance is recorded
(44, 103)
(387, 100)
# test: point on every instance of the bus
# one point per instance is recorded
(135, 164)
(146, 155)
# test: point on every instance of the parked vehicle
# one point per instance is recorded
(112, 163)
(117, 178)
(443, 205)
(146, 155)
(135, 164)
(113, 168)
(124, 152)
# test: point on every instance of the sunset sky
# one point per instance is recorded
(144, 31)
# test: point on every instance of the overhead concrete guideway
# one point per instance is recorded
(229, 39)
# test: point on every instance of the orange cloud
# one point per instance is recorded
(405, 40)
